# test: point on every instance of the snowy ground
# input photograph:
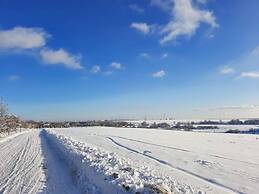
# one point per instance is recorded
(114, 160)
(29, 165)
(20, 161)
(203, 161)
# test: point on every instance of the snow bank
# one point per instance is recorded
(99, 171)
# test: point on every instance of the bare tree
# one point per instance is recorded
(8, 122)
(3, 108)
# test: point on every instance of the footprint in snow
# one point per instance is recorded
(147, 152)
(203, 162)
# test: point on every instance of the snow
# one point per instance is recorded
(29, 165)
(202, 161)
(104, 172)
(102, 160)
(57, 173)
(20, 160)
(7, 137)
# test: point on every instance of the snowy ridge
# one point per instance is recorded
(99, 171)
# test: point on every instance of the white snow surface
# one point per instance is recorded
(103, 160)
(184, 162)
(20, 160)
(29, 165)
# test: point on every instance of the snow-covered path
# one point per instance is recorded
(28, 165)
(20, 164)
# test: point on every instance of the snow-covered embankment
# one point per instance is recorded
(98, 171)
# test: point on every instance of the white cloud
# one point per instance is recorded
(95, 69)
(255, 52)
(14, 77)
(164, 55)
(162, 4)
(141, 27)
(22, 38)
(247, 65)
(249, 59)
(202, 1)
(136, 8)
(61, 57)
(186, 19)
(250, 74)
(116, 65)
(159, 74)
(226, 70)
(144, 55)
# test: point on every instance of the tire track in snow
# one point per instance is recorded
(20, 160)
(210, 181)
(225, 158)
(184, 150)
(158, 145)
(21, 169)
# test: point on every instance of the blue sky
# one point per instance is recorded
(130, 59)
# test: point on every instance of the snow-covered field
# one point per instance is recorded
(191, 162)
(126, 160)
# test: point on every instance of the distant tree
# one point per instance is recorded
(3, 108)
(163, 125)
(154, 125)
(144, 124)
(235, 122)
(8, 122)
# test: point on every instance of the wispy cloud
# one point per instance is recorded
(141, 27)
(162, 4)
(250, 74)
(23, 38)
(144, 55)
(164, 55)
(246, 66)
(202, 1)
(61, 57)
(250, 58)
(159, 74)
(136, 8)
(116, 65)
(95, 69)
(186, 19)
(14, 77)
(226, 70)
